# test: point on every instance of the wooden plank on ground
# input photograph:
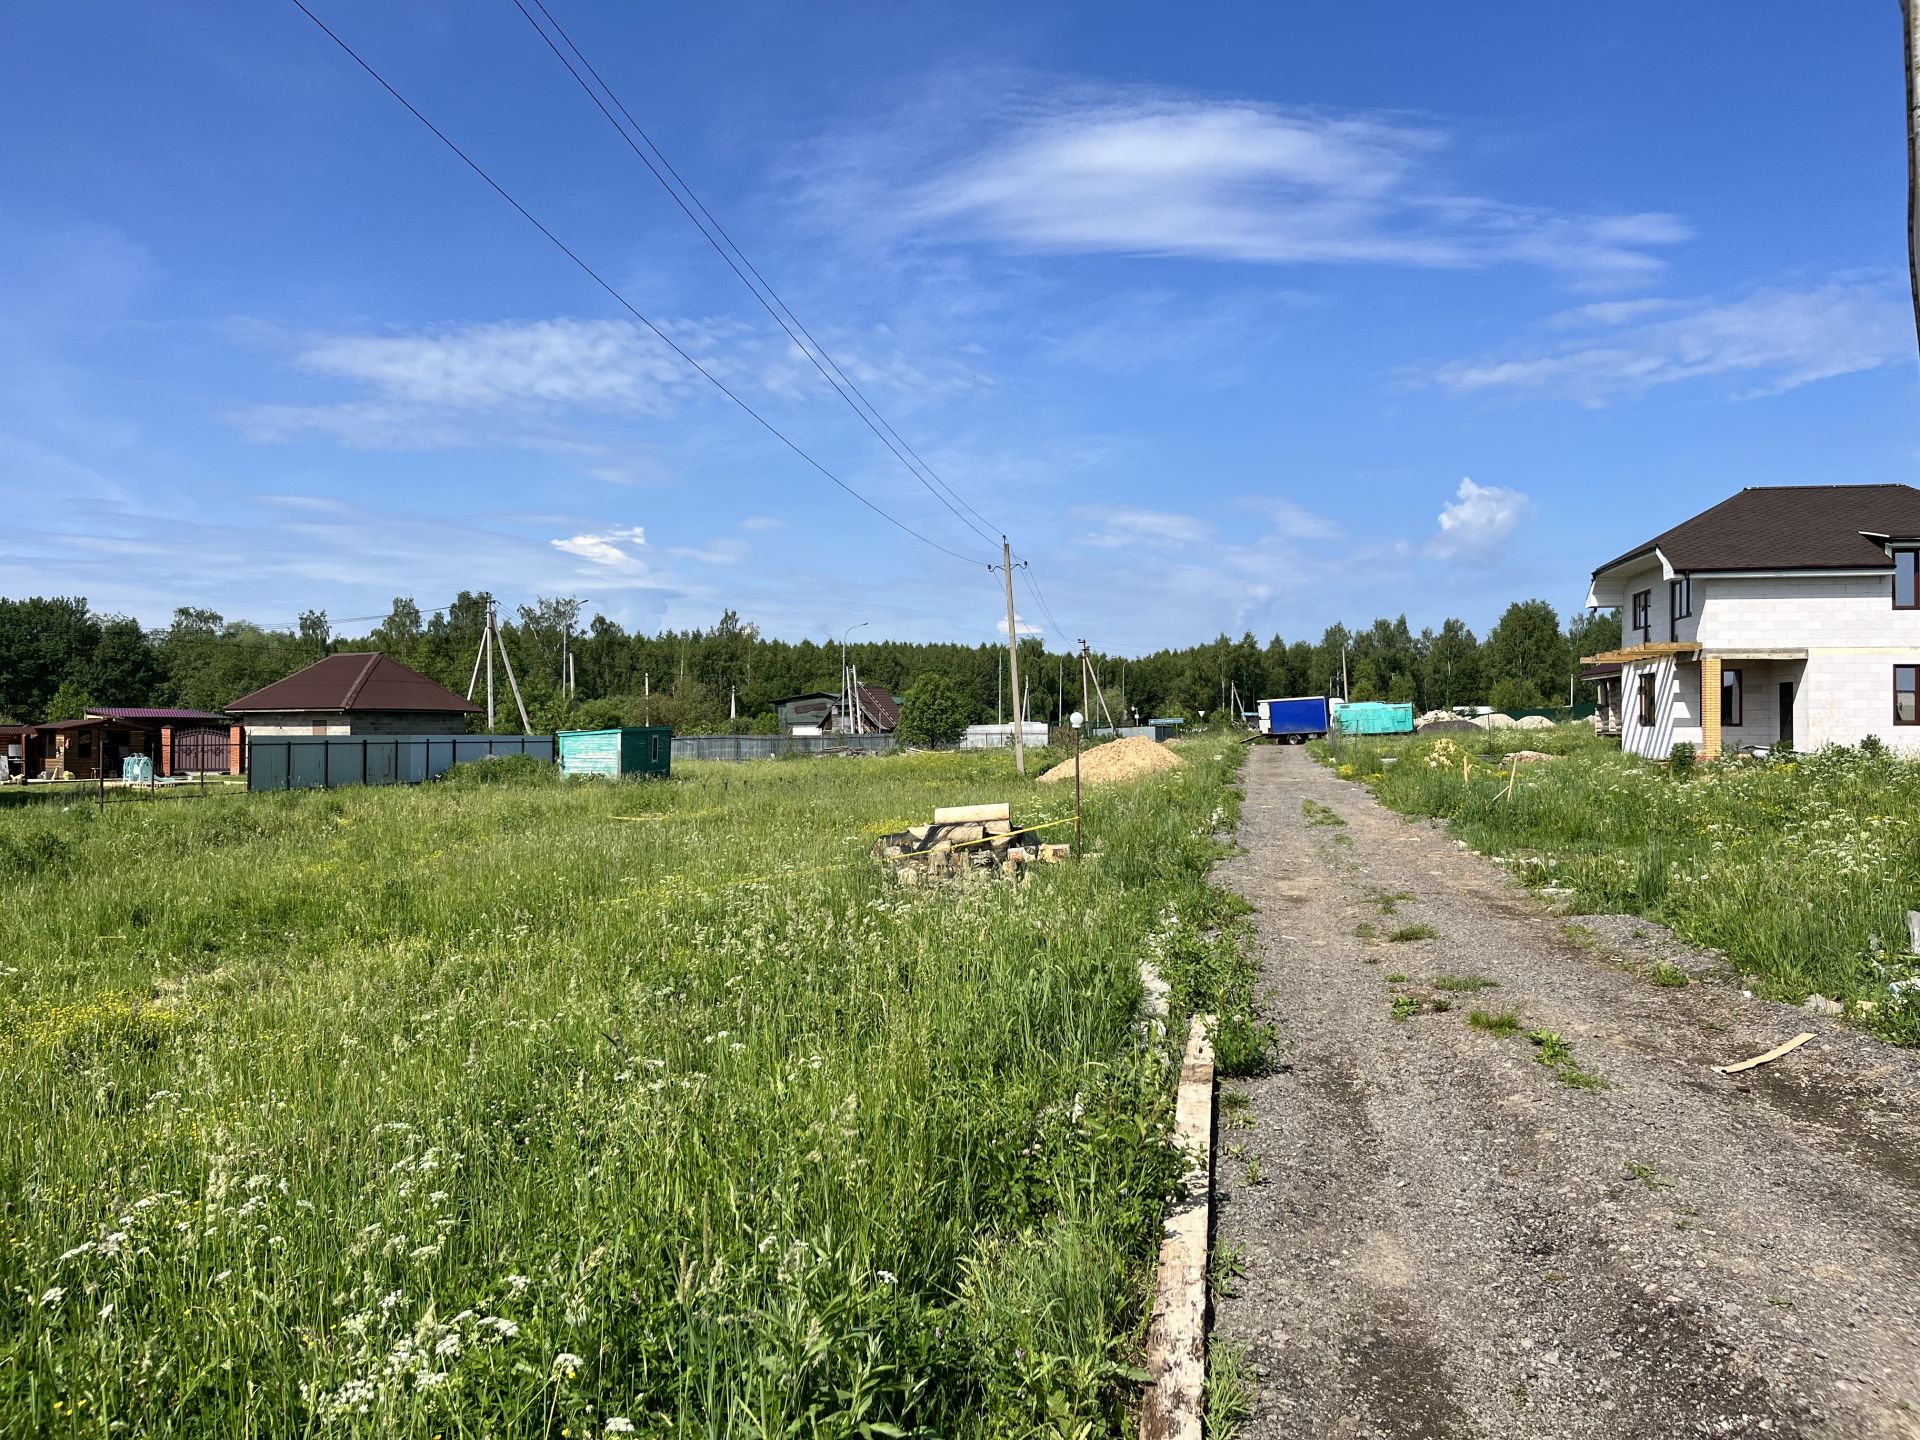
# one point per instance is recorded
(971, 814)
(1175, 1405)
(1773, 1054)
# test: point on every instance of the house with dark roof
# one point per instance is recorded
(874, 710)
(1787, 615)
(354, 693)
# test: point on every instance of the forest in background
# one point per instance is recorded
(57, 656)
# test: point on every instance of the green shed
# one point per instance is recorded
(632, 750)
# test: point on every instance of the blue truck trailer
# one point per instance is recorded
(1297, 718)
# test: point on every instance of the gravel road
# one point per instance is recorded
(1442, 1238)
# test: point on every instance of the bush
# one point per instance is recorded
(931, 713)
(1680, 759)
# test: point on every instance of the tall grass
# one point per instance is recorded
(479, 1109)
(1801, 871)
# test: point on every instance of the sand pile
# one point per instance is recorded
(1533, 722)
(1127, 759)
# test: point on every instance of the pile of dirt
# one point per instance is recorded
(1434, 717)
(1127, 759)
(1533, 722)
(1495, 721)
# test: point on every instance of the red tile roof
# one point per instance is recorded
(355, 680)
(1790, 527)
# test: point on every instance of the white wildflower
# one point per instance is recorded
(619, 1425)
(567, 1364)
(55, 1294)
(517, 1283)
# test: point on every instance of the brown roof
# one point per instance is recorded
(879, 706)
(1790, 527)
(354, 680)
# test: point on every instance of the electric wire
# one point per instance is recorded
(772, 298)
(618, 298)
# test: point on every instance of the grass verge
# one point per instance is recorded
(1800, 870)
(522, 1107)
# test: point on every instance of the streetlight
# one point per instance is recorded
(846, 686)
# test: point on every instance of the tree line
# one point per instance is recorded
(57, 657)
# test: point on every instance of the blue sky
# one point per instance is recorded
(1250, 317)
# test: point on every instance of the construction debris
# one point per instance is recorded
(1116, 760)
(1771, 1055)
(964, 840)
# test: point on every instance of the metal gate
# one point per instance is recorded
(198, 752)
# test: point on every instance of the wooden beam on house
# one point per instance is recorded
(1709, 707)
(1633, 654)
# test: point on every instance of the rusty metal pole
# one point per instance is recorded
(1076, 789)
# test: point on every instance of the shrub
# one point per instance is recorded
(1680, 759)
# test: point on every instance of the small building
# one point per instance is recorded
(875, 711)
(92, 747)
(354, 693)
(180, 742)
(629, 750)
(805, 714)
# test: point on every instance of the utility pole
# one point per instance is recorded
(1910, 35)
(1084, 708)
(490, 642)
(1013, 661)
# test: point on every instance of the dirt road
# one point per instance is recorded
(1441, 1237)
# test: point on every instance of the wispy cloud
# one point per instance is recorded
(1153, 529)
(614, 550)
(1767, 342)
(1476, 526)
(1049, 166)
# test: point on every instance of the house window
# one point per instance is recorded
(1906, 703)
(1730, 698)
(1906, 579)
(1679, 604)
(1646, 698)
(1643, 614)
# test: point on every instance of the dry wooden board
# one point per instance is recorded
(1175, 1404)
(968, 814)
(1773, 1054)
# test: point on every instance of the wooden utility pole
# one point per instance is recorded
(1013, 662)
(1910, 37)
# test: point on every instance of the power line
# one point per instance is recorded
(844, 382)
(1045, 609)
(619, 298)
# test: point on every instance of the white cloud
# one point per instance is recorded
(1478, 523)
(1296, 522)
(1767, 342)
(600, 364)
(1020, 624)
(607, 550)
(1154, 529)
(1148, 173)
(762, 522)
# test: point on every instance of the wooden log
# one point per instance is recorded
(965, 814)
(998, 827)
(1175, 1402)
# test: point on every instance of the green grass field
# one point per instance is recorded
(1801, 871)
(540, 1108)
